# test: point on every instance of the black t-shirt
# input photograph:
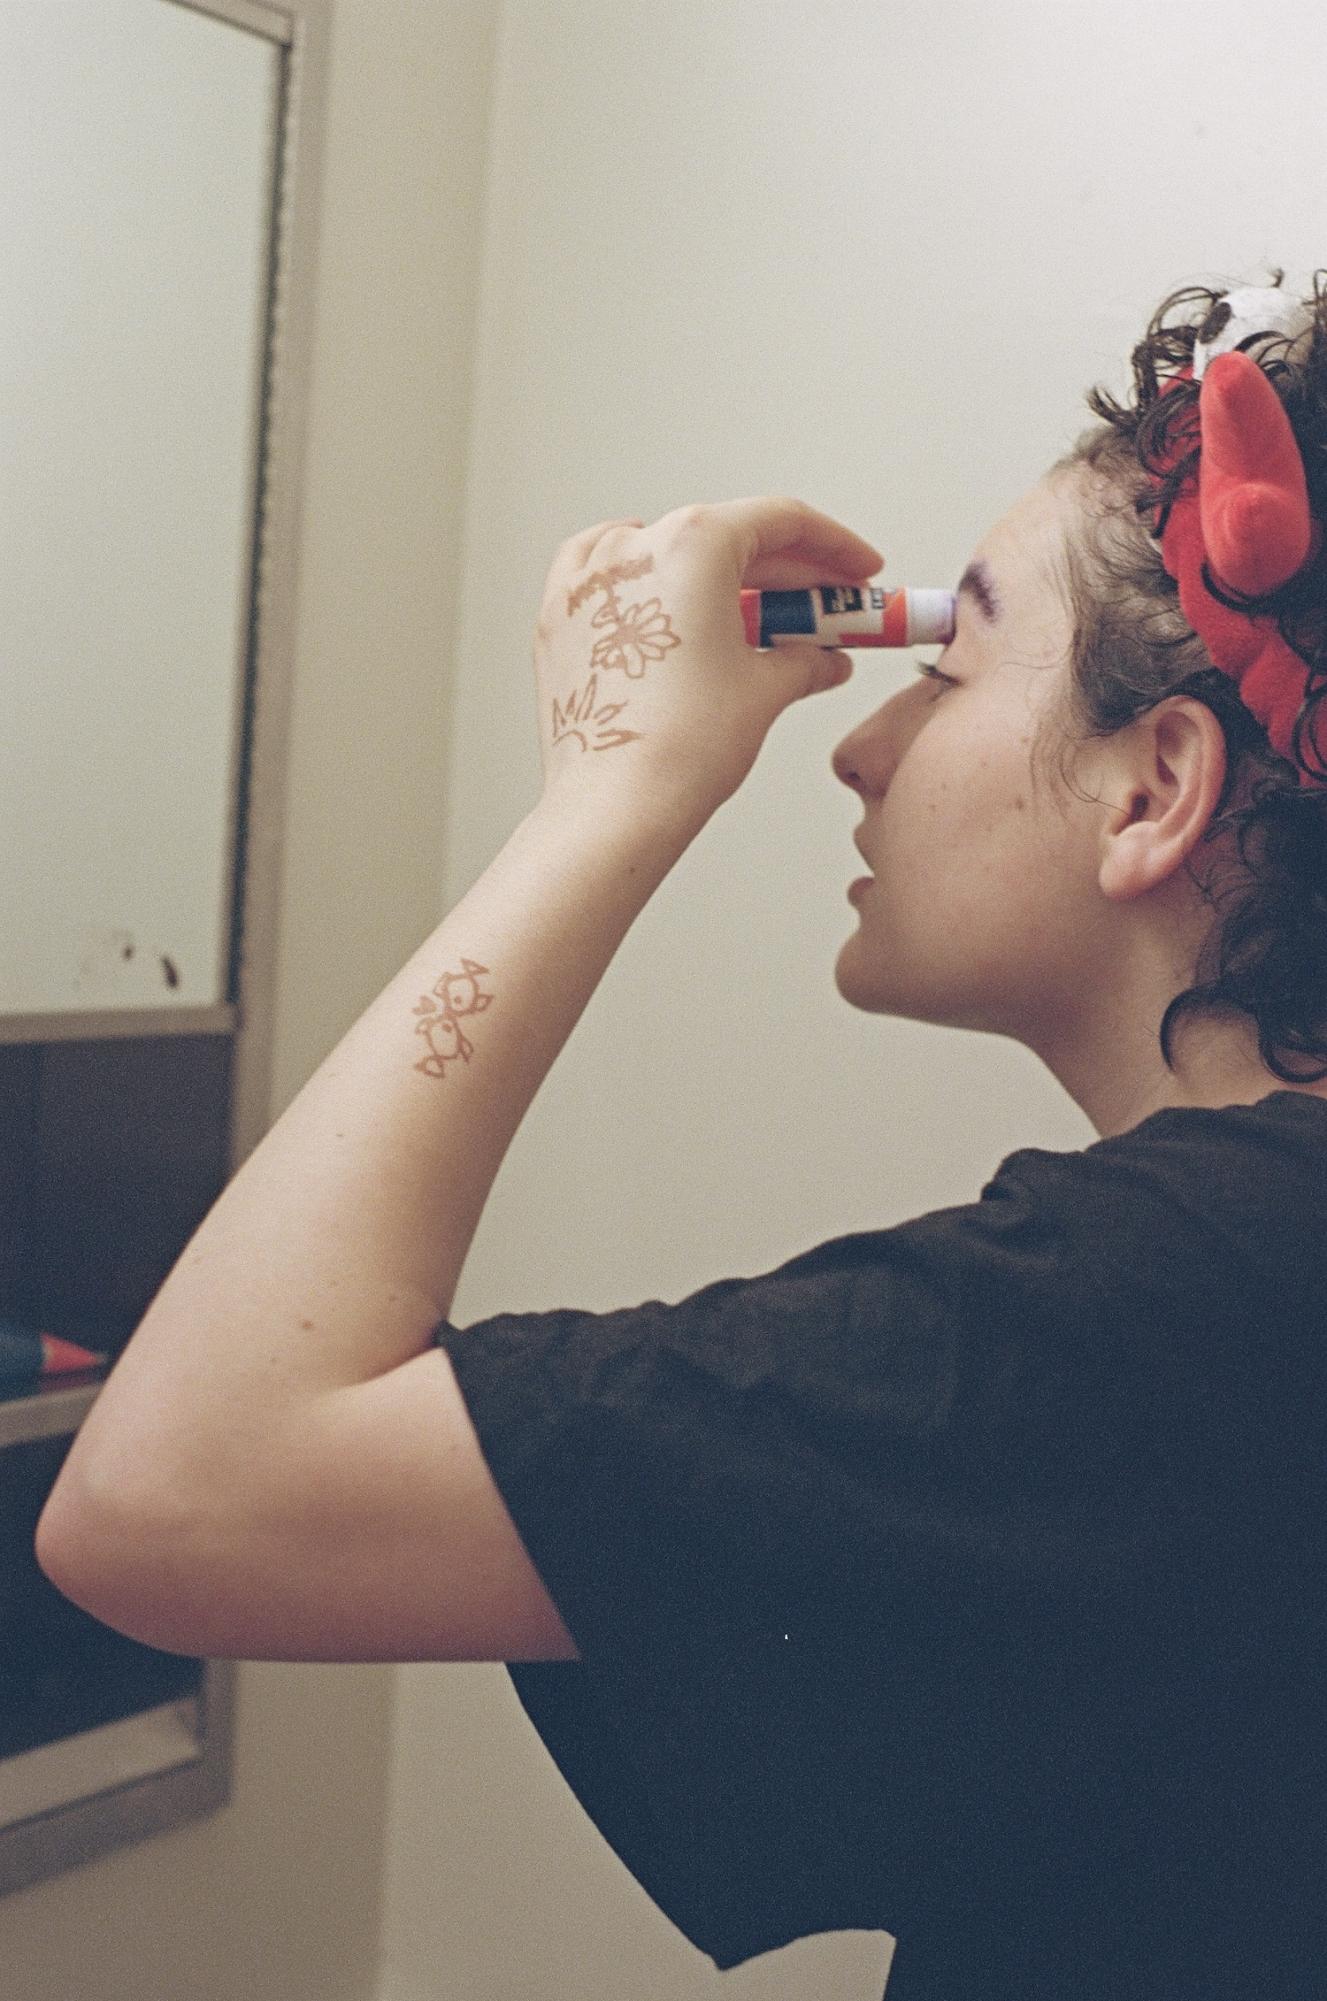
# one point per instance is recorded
(962, 1580)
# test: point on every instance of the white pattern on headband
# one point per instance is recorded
(1253, 309)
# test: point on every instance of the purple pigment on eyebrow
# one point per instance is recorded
(976, 583)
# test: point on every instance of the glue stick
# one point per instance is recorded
(842, 615)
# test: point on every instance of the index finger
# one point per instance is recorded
(778, 525)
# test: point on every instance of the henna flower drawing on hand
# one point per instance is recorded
(640, 633)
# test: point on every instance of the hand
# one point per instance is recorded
(646, 682)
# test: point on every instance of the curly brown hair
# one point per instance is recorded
(1265, 955)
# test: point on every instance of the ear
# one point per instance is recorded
(1166, 779)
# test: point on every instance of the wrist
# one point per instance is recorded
(625, 812)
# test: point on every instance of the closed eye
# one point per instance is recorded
(931, 671)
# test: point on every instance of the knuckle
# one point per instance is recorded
(688, 516)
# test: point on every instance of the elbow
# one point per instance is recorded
(79, 1559)
(113, 1571)
(63, 1537)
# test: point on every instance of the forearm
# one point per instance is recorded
(331, 1255)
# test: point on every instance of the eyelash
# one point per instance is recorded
(930, 669)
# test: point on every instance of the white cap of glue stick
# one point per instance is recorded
(842, 615)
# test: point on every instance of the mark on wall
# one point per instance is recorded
(119, 943)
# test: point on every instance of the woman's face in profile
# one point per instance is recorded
(982, 878)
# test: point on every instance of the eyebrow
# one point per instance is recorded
(977, 584)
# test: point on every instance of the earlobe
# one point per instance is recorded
(1131, 863)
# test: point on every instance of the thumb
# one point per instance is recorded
(814, 669)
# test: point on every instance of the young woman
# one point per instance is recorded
(962, 1579)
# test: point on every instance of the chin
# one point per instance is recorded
(853, 978)
(869, 988)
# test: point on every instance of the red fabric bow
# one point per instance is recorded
(1249, 517)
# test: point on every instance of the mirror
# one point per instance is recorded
(142, 149)
(137, 174)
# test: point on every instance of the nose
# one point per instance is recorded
(867, 757)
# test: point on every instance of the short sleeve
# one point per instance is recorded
(851, 1551)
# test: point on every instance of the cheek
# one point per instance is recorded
(957, 787)
(971, 916)
(963, 834)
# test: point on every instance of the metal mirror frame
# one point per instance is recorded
(70, 1835)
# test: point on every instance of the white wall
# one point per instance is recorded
(872, 255)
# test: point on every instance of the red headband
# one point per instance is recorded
(1249, 518)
